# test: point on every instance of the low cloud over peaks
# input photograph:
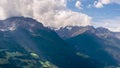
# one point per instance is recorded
(52, 13)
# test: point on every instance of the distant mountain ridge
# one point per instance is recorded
(72, 31)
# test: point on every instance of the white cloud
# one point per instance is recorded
(2, 14)
(72, 18)
(112, 24)
(101, 3)
(52, 13)
(98, 4)
(78, 5)
(105, 1)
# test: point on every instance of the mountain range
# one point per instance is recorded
(99, 43)
(72, 31)
(26, 43)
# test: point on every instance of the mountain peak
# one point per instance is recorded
(77, 30)
(102, 29)
(70, 31)
(84, 29)
(12, 23)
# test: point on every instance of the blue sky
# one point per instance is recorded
(108, 11)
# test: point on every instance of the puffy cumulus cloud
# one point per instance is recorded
(72, 18)
(98, 4)
(101, 3)
(111, 24)
(78, 5)
(16, 8)
(52, 13)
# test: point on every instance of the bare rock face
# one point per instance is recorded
(72, 31)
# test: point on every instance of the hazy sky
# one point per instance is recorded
(60, 13)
